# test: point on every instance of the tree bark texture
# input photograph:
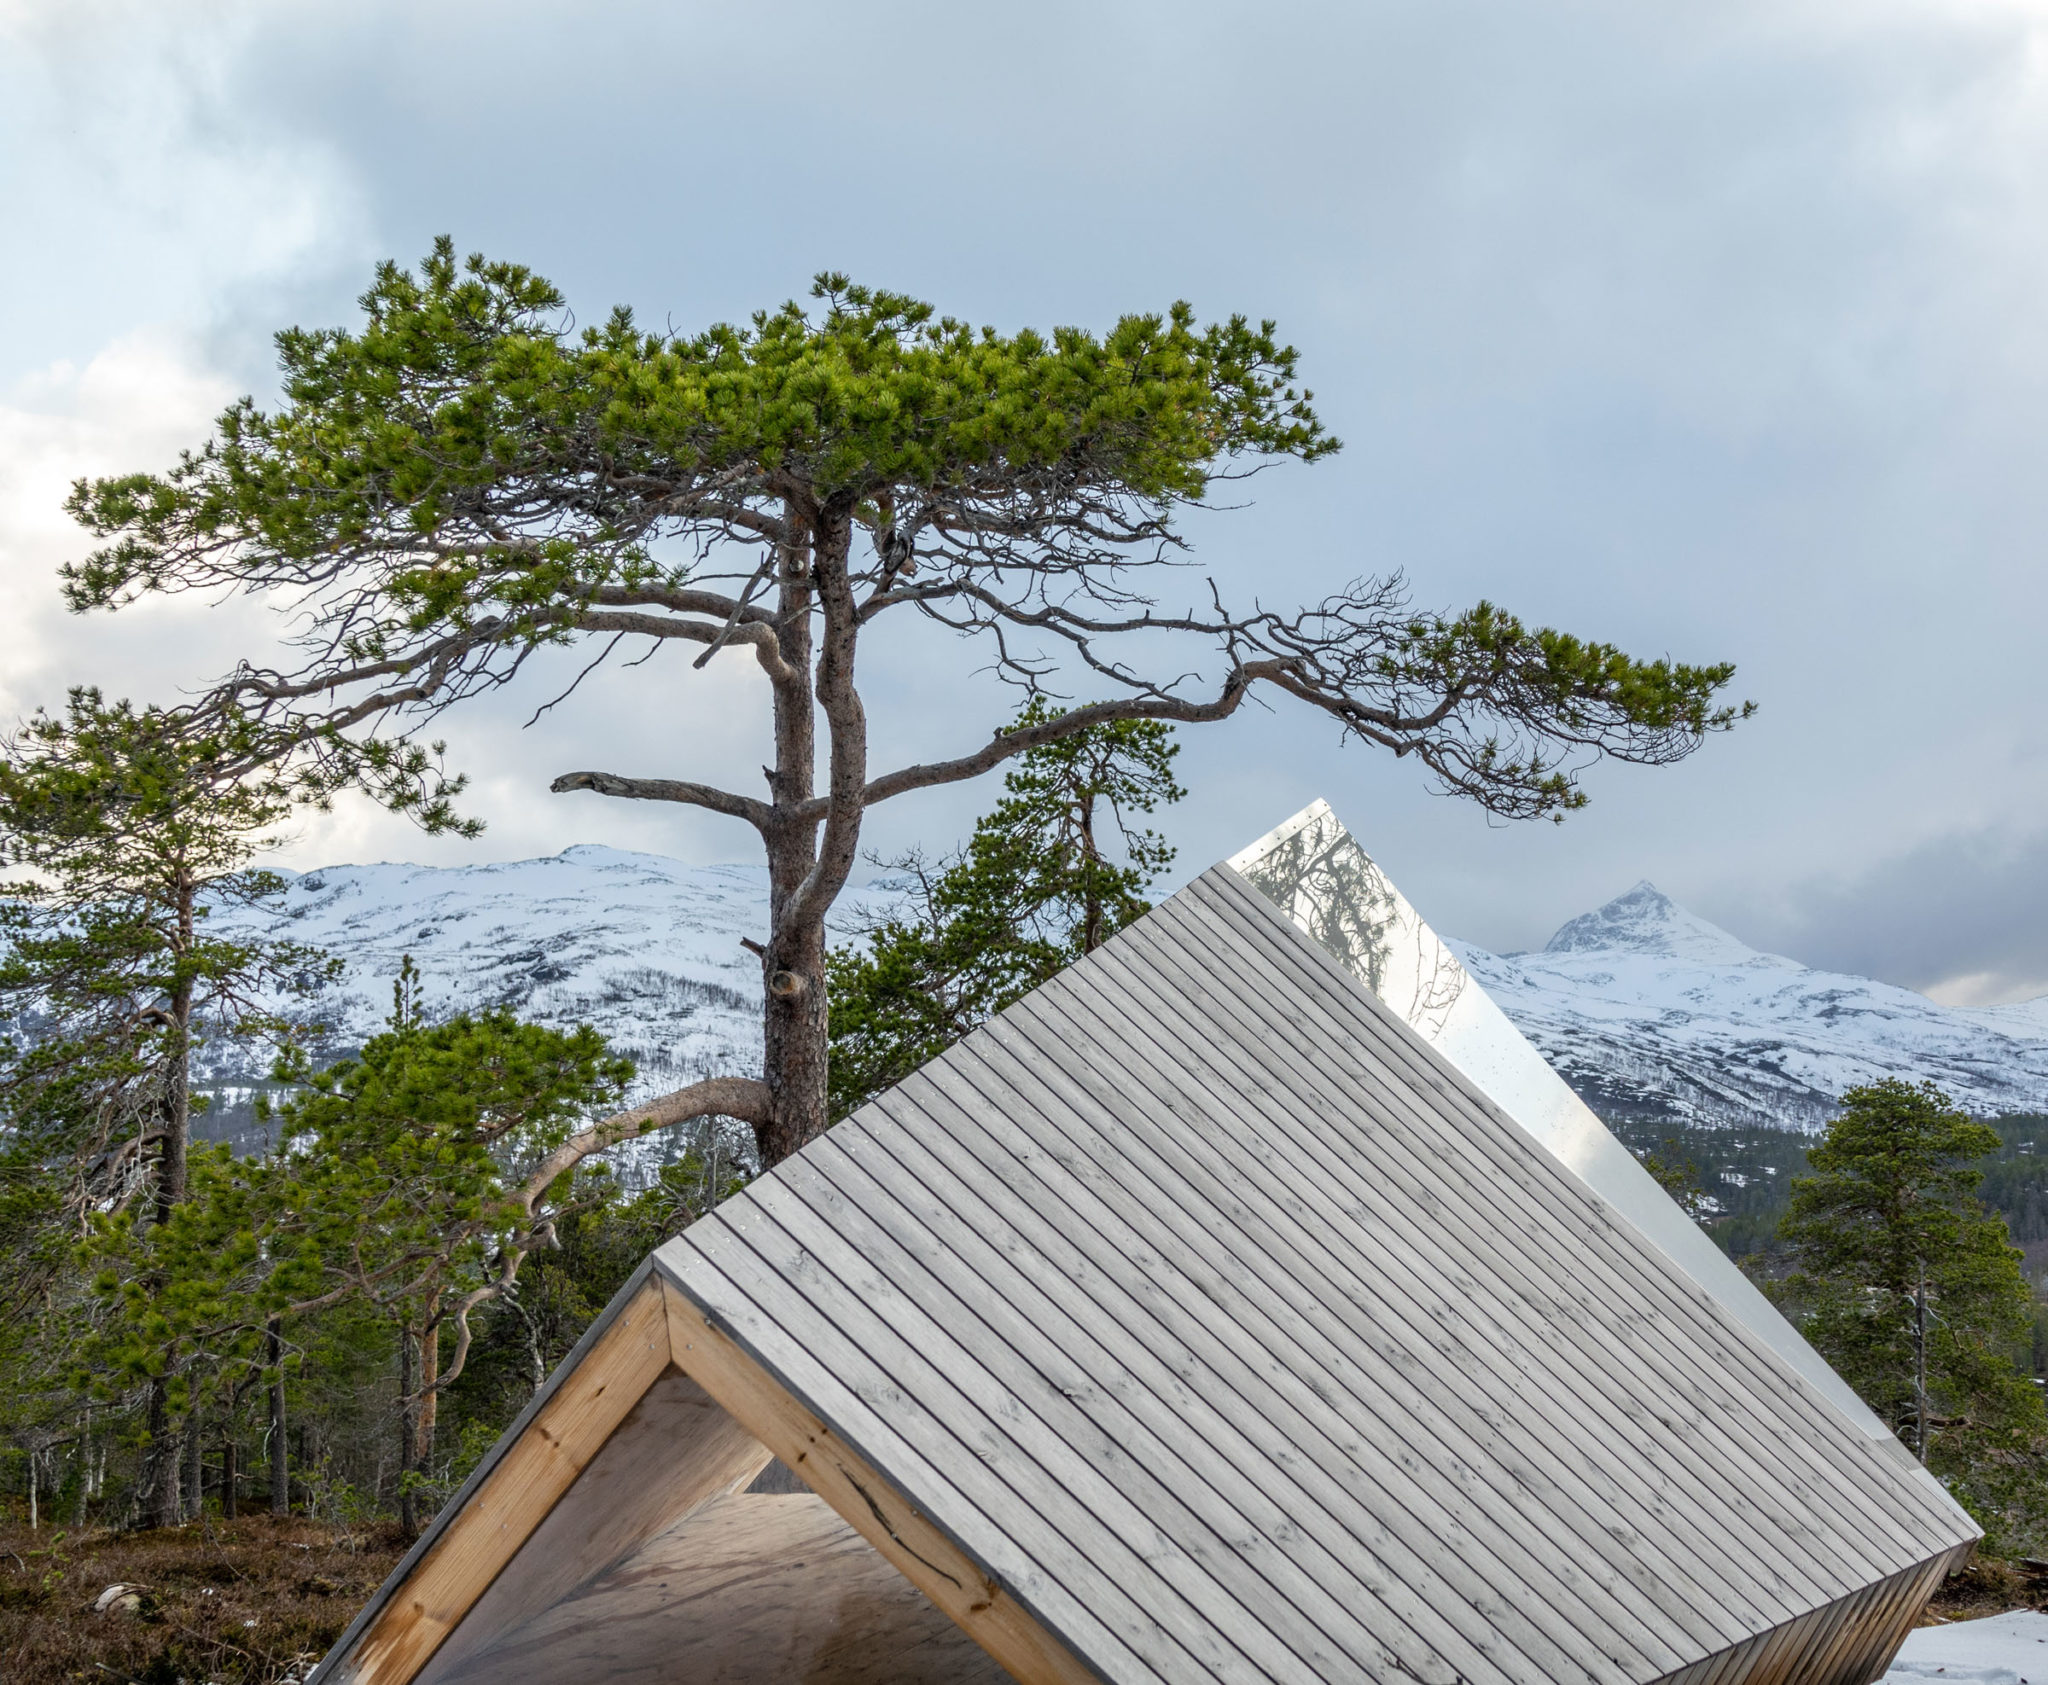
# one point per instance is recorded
(1920, 1356)
(195, 1467)
(172, 1174)
(428, 1407)
(165, 1483)
(812, 846)
(408, 1405)
(280, 1452)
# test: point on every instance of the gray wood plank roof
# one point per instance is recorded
(1242, 1338)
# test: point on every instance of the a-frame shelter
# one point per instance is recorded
(1250, 1303)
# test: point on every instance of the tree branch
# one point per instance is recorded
(755, 813)
(743, 1098)
(1005, 745)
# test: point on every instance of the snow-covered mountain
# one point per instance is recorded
(1649, 1012)
(645, 948)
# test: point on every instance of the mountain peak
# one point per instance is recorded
(1645, 920)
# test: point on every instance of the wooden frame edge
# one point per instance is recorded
(471, 1547)
(866, 1500)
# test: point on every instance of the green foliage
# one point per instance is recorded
(1036, 887)
(401, 1169)
(523, 1334)
(128, 827)
(1899, 1272)
(1674, 1170)
(464, 380)
(464, 478)
(399, 1184)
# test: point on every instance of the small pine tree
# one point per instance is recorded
(128, 826)
(1037, 886)
(1910, 1287)
(405, 1172)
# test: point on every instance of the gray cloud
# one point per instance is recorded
(1710, 330)
(1964, 918)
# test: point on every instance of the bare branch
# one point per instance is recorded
(755, 813)
(743, 1098)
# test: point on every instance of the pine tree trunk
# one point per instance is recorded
(793, 961)
(172, 1174)
(280, 1451)
(795, 1043)
(175, 1121)
(228, 1473)
(195, 1467)
(164, 1483)
(1920, 1355)
(428, 1410)
(408, 1402)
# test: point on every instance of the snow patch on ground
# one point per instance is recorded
(2008, 1649)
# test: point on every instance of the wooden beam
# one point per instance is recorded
(867, 1502)
(536, 1469)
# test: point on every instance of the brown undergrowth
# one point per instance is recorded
(1986, 1586)
(254, 1601)
(257, 1601)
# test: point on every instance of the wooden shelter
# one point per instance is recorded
(1201, 1318)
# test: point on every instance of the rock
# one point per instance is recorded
(131, 1601)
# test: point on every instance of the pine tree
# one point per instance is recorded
(413, 1178)
(1910, 1287)
(1036, 887)
(129, 826)
(466, 479)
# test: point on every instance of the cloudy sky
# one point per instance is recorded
(1718, 330)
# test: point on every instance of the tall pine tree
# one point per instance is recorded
(125, 828)
(1910, 1287)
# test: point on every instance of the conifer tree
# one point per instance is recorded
(127, 828)
(1909, 1286)
(416, 1177)
(465, 480)
(1057, 868)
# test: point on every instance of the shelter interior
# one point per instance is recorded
(685, 1551)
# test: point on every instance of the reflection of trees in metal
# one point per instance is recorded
(1323, 880)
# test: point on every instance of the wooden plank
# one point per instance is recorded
(1438, 1431)
(1384, 1176)
(1002, 1446)
(675, 1451)
(1139, 1586)
(1329, 1251)
(532, 1474)
(1771, 1382)
(1105, 1625)
(1314, 979)
(975, 1600)
(1111, 1477)
(1882, 1632)
(1163, 1370)
(1168, 1364)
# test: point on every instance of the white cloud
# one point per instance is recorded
(142, 184)
(134, 405)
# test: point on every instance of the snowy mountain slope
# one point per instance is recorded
(1651, 1012)
(645, 948)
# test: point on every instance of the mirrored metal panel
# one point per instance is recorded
(1314, 871)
